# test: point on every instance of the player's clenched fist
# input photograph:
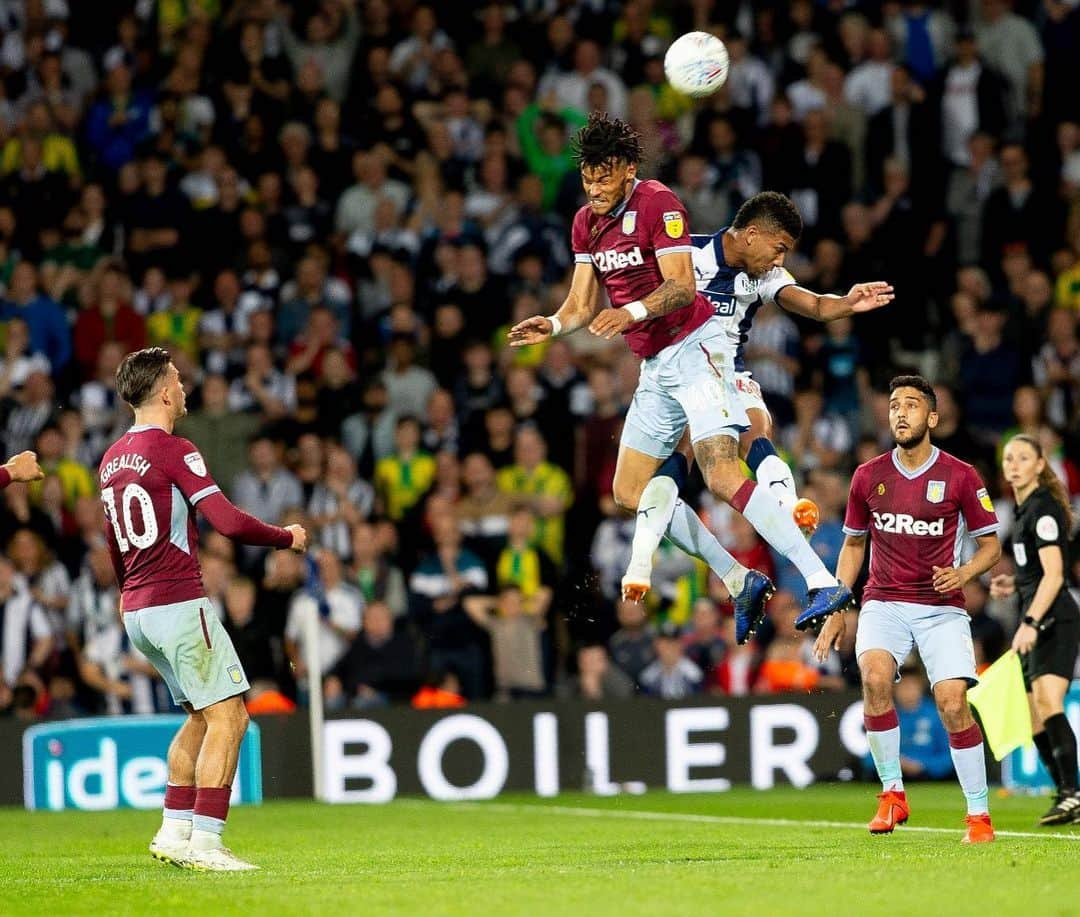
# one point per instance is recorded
(299, 537)
(531, 331)
(24, 467)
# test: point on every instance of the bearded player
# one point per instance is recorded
(151, 483)
(916, 503)
(631, 240)
(738, 280)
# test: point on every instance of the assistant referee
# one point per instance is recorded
(1049, 634)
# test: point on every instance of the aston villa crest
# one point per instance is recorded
(935, 491)
(629, 222)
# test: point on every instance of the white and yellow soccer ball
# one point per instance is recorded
(696, 64)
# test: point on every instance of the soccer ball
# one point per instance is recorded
(696, 64)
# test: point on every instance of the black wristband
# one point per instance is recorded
(1031, 622)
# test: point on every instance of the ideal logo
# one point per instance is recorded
(116, 762)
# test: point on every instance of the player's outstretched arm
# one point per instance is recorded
(824, 307)
(988, 553)
(22, 467)
(232, 522)
(677, 291)
(579, 306)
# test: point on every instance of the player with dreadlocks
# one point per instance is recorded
(632, 238)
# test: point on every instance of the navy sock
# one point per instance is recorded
(675, 467)
(759, 449)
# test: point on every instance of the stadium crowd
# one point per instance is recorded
(330, 212)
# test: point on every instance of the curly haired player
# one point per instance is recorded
(632, 239)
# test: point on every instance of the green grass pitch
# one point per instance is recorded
(743, 852)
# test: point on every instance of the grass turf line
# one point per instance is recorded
(521, 855)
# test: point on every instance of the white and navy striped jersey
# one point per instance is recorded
(735, 296)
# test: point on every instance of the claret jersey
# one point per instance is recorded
(151, 482)
(917, 520)
(623, 247)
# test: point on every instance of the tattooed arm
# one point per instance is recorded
(675, 292)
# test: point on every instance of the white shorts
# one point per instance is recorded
(691, 383)
(189, 646)
(942, 634)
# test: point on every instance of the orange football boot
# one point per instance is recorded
(806, 516)
(979, 830)
(892, 810)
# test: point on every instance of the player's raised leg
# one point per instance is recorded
(760, 455)
(654, 424)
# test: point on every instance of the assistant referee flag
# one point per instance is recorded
(1002, 704)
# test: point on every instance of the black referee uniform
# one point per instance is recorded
(1040, 523)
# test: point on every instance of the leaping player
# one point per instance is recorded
(916, 503)
(151, 483)
(738, 277)
(631, 239)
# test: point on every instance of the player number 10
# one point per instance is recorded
(126, 536)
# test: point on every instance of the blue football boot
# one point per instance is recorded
(750, 604)
(824, 602)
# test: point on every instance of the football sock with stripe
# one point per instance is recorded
(178, 811)
(775, 525)
(969, 759)
(211, 811)
(1063, 743)
(883, 736)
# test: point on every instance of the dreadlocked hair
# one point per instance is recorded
(1049, 480)
(604, 140)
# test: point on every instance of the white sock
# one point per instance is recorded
(205, 840)
(775, 525)
(176, 828)
(970, 764)
(885, 750)
(688, 532)
(774, 474)
(654, 513)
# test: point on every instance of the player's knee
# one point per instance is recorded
(954, 711)
(1046, 706)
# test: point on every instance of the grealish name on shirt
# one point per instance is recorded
(136, 463)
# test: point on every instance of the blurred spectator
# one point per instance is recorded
(26, 633)
(339, 501)
(248, 631)
(50, 334)
(337, 609)
(671, 676)
(438, 586)
(786, 666)
(597, 678)
(990, 371)
(266, 487)
(632, 646)
(371, 571)
(221, 434)
(515, 641)
(370, 434)
(107, 316)
(380, 666)
(402, 478)
(544, 488)
(408, 386)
